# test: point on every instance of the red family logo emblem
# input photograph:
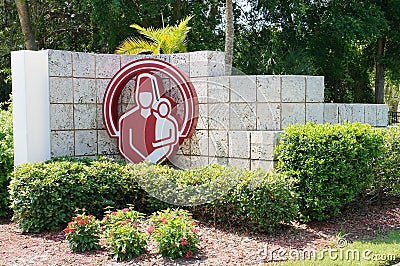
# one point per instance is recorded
(161, 117)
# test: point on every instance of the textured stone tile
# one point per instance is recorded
(243, 116)
(199, 143)
(331, 113)
(315, 89)
(182, 62)
(198, 161)
(107, 65)
(62, 143)
(382, 115)
(370, 114)
(180, 161)
(262, 145)
(315, 113)
(185, 147)
(61, 116)
(200, 86)
(99, 120)
(129, 58)
(239, 144)
(293, 89)
(358, 113)
(243, 89)
(101, 86)
(202, 120)
(240, 163)
(293, 113)
(60, 90)
(218, 160)
(268, 89)
(206, 64)
(127, 95)
(60, 63)
(106, 145)
(83, 65)
(261, 164)
(85, 116)
(218, 89)
(345, 113)
(85, 142)
(218, 143)
(218, 116)
(84, 90)
(268, 116)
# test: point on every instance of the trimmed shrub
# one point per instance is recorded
(44, 196)
(252, 200)
(387, 166)
(6, 156)
(332, 163)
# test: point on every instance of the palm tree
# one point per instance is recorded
(166, 40)
(229, 36)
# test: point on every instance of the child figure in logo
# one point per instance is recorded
(166, 131)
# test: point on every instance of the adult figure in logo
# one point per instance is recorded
(137, 125)
(166, 131)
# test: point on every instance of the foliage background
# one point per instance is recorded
(335, 38)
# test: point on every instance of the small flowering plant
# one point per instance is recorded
(176, 233)
(124, 238)
(83, 233)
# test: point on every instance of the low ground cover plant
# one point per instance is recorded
(83, 233)
(125, 238)
(175, 232)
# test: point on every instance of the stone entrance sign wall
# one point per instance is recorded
(58, 96)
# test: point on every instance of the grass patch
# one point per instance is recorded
(381, 251)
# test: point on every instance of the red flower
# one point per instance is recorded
(128, 220)
(150, 230)
(81, 222)
(188, 254)
(183, 241)
(164, 220)
(135, 224)
(125, 210)
(69, 230)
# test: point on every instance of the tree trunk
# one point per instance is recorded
(229, 36)
(380, 72)
(26, 26)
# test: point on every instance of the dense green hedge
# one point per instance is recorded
(6, 156)
(45, 195)
(332, 163)
(387, 166)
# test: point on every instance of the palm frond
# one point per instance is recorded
(137, 46)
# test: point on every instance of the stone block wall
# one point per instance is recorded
(240, 117)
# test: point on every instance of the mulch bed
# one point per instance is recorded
(220, 246)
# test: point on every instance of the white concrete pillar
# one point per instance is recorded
(31, 106)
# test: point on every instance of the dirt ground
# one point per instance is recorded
(220, 246)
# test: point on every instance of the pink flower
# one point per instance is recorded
(193, 223)
(188, 254)
(150, 230)
(135, 224)
(81, 222)
(164, 220)
(194, 230)
(125, 210)
(183, 241)
(114, 213)
(128, 220)
(106, 217)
